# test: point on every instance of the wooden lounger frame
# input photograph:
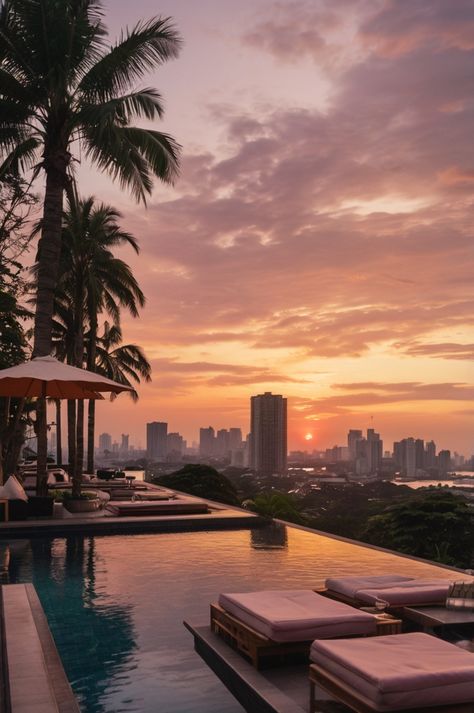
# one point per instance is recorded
(257, 646)
(344, 693)
(251, 643)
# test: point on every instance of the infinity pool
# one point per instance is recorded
(115, 605)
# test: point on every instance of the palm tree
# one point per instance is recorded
(125, 363)
(62, 85)
(92, 281)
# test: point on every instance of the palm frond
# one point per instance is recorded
(148, 44)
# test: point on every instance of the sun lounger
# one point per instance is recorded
(268, 623)
(406, 672)
(179, 506)
(397, 590)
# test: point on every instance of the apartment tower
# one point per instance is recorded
(268, 442)
(156, 437)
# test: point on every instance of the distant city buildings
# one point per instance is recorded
(156, 440)
(225, 444)
(105, 442)
(265, 448)
(268, 433)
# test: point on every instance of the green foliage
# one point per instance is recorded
(202, 481)
(276, 505)
(435, 525)
(345, 510)
(61, 81)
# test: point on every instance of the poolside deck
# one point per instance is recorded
(222, 518)
(32, 677)
(219, 517)
(284, 689)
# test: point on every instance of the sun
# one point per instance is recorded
(308, 437)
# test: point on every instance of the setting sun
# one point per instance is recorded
(308, 437)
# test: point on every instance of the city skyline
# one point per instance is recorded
(318, 241)
(342, 442)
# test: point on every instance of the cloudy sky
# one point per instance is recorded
(318, 242)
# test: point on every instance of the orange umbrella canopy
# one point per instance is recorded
(48, 377)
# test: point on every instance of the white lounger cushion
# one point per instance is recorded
(418, 591)
(395, 589)
(400, 671)
(349, 586)
(297, 615)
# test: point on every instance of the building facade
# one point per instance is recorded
(156, 440)
(268, 433)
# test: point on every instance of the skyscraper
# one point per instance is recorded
(268, 447)
(352, 437)
(206, 442)
(105, 442)
(156, 434)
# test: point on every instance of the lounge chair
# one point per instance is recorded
(269, 623)
(179, 506)
(397, 590)
(408, 672)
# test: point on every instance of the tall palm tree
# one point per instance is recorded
(125, 363)
(62, 85)
(92, 281)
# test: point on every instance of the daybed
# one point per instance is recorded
(178, 506)
(274, 623)
(396, 590)
(406, 672)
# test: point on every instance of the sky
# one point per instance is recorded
(319, 240)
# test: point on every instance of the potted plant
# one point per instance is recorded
(87, 501)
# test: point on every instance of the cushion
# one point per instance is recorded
(400, 671)
(349, 586)
(13, 490)
(418, 591)
(297, 615)
(180, 505)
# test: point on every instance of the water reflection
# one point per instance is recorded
(94, 634)
(271, 537)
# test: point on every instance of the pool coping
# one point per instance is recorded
(220, 517)
(33, 674)
(255, 693)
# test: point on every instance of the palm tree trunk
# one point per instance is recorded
(59, 445)
(90, 436)
(91, 356)
(49, 249)
(76, 485)
(71, 437)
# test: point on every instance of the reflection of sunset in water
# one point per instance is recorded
(116, 604)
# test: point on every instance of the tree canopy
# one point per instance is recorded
(202, 481)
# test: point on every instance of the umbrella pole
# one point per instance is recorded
(42, 450)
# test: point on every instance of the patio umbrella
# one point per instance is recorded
(47, 377)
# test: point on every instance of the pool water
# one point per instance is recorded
(115, 605)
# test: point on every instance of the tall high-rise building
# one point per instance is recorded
(124, 444)
(156, 437)
(235, 439)
(374, 451)
(430, 455)
(444, 462)
(206, 442)
(419, 453)
(268, 426)
(410, 457)
(352, 437)
(175, 446)
(105, 442)
(222, 443)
